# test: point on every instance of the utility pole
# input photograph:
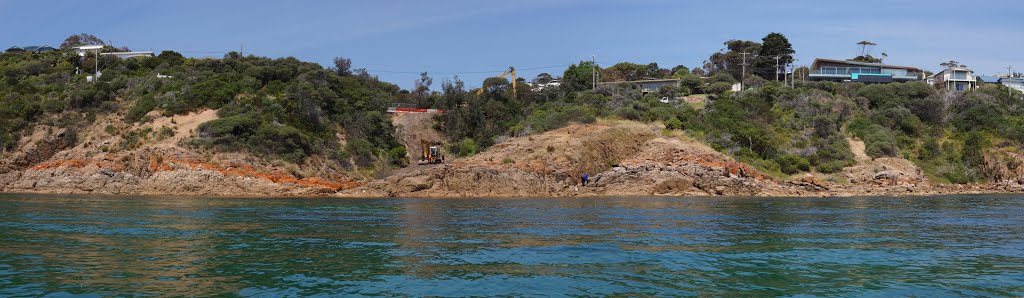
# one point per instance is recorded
(593, 72)
(743, 74)
(96, 71)
(792, 73)
(777, 68)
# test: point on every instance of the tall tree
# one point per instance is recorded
(579, 77)
(864, 53)
(543, 78)
(774, 45)
(731, 58)
(80, 40)
(679, 70)
(422, 90)
(951, 64)
(342, 66)
(626, 71)
(866, 47)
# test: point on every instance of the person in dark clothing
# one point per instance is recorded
(584, 179)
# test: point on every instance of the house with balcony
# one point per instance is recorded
(956, 79)
(864, 72)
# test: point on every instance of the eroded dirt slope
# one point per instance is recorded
(112, 157)
(621, 157)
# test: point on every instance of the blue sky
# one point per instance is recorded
(476, 39)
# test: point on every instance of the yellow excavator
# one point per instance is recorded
(430, 153)
(511, 71)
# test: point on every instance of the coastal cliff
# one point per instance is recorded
(622, 158)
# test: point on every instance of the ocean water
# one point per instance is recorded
(62, 245)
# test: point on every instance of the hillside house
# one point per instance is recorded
(956, 79)
(852, 71)
(30, 49)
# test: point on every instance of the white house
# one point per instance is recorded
(552, 84)
(956, 79)
(1012, 82)
(82, 50)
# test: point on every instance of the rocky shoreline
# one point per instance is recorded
(623, 159)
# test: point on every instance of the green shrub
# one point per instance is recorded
(53, 105)
(974, 148)
(281, 140)
(398, 156)
(165, 132)
(466, 147)
(831, 167)
(627, 113)
(880, 142)
(719, 88)
(141, 107)
(553, 117)
(130, 140)
(362, 151)
(792, 164)
(766, 165)
(674, 124)
(930, 149)
(877, 149)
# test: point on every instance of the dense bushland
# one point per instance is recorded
(276, 108)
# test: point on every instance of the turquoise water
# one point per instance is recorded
(938, 246)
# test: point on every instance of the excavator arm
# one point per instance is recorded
(511, 71)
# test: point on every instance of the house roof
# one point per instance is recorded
(129, 54)
(951, 68)
(89, 47)
(818, 61)
(34, 49)
(989, 79)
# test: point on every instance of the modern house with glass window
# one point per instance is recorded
(956, 79)
(852, 71)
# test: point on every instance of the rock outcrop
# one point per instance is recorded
(622, 159)
(47, 162)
